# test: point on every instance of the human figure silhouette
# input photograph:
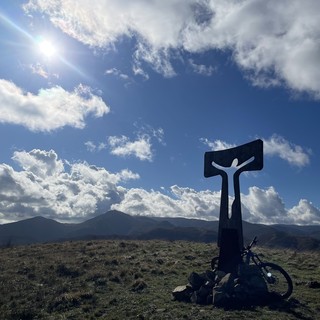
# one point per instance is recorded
(231, 172)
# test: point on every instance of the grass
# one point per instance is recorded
(114, 279)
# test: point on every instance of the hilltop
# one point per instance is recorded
(133, 279)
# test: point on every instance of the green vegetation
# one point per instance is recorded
(114, 279)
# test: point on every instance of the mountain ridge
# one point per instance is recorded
(117, 224)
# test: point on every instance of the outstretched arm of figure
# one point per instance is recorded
(234, 164)
(245, 163)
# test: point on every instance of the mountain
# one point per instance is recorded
(116, 224)
(33, 230)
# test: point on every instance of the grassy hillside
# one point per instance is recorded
(113, 279)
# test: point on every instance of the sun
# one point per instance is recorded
(46, 48)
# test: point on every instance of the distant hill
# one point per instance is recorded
(116, 224)
(33, 230)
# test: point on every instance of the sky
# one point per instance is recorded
(111, 105)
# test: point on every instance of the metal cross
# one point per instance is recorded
(247, 157)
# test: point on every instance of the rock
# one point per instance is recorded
(252, 284)
(257, 283)
(219, 299)
(245, 270)
(246, 287)
(196, 280)
(210, 275)
(201, 296)
(219, 275)
(226, 283)
(182, 293)
(194, 297)
(223, 290)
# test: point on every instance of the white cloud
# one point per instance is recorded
(274, 42)
(293, 154)
(216, 144)
(158, 58)
(266, 206)
(202, 69)
(180, 202)
(40, 163)
(126, 175)
(117, 73)
(147, 130)
(39, 70)
(42, 71)
(140, 148)
(53, 188)
(44, 187)
(91, 147)
(258, 206)
(50, 109)
(304, 213)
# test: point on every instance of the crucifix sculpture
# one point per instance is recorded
(247, 157)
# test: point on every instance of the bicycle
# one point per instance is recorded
(277, 279)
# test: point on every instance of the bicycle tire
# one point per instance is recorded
(277, 279)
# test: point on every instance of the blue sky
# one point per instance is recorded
(112, 105)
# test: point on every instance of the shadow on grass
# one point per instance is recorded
(292, 306)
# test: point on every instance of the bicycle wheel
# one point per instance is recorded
(278, 281)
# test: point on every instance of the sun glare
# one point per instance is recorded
(47, 48)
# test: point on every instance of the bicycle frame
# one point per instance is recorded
(248, 255)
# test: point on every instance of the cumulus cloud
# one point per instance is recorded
(304, 213)
(50, 187)
(123, 147)
(50, 109)
(293, 154)
(266, 206)
(274, 43)
(258, 206)
(38, 162)
(141, 147)
(54, 188)
(179, 202)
